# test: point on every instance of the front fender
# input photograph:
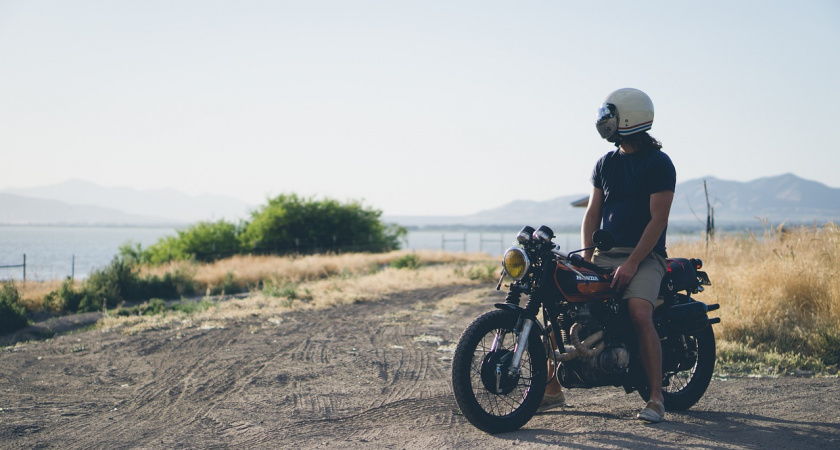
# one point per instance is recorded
(521, 312)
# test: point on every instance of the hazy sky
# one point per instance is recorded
(424, 107)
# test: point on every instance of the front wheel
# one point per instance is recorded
(688, 363)
(491, 399)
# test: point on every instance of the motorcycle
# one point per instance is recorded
(505, 358)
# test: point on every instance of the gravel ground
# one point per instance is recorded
(367, 375)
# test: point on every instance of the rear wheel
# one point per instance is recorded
(688, 363)
(488, 396)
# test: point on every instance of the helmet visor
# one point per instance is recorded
(607, 121)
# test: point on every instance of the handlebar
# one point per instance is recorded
(577, 260)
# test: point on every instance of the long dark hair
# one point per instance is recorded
(642, 142)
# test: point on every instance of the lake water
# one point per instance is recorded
(59, 252)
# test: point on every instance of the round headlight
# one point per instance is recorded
(516, 263)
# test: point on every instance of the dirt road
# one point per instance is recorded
(367, 375)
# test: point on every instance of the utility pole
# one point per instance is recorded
(710, 216)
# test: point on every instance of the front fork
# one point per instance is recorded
(522, 332)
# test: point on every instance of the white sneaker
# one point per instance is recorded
(653, 412)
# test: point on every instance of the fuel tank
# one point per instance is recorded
(587, 288)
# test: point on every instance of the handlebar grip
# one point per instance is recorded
(578, 260)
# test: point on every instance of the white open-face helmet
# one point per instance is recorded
(625, 111)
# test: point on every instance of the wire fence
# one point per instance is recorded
(14, 266)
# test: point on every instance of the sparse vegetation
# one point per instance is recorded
(106, 288)
(409, 261)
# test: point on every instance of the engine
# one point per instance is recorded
(595, 360)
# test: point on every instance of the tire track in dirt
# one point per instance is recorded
(204, 374)
(163, 387)
(367, 375)
(401, 357)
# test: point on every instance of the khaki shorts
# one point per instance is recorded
(645, 284)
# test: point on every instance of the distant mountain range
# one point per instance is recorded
(21, 210)
(785, 198)
(77, 202)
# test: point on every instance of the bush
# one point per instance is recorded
(12, 314)
(107, 287)
(170, 285)
(290, 224)
(65, 299)
(409, 261)
(157, 306)
(286, 224)
(484, 272)
(204, 241)
(118, 282)
(152, 307)
(229, 285)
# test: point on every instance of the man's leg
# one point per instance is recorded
(650, 350)
(554, 396)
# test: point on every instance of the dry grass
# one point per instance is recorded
(32, 293)
(779, 296)
(253, 271)
(302, 284)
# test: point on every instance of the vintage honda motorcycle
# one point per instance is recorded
(574, 327)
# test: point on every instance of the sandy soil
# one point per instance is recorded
(368, 375)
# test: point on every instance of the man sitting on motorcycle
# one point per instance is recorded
(633, 188)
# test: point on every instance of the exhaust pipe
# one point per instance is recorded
(579, 348)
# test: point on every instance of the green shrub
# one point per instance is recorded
(166, 249)
(158, 306)
(291, 224)
(409, 261)
(230, 285)
(479, 272)
(204, 241)
(288, 291)
(484, 272)
(118, 282)
(105, 288)
(286, 224)
(131, 252)
(12, 314)
(170, 285)
(65, 299)
(152, 307)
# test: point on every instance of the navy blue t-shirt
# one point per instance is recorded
(628, 180)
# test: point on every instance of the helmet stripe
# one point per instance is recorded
(636, 128)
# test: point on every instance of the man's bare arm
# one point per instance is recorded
(591, 220)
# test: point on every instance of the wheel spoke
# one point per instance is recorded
(679, 380)
(499, 404)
